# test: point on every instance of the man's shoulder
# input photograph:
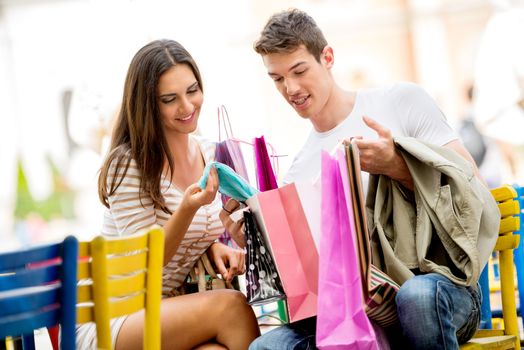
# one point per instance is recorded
(394, 90)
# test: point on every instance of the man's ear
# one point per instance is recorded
(327, 57)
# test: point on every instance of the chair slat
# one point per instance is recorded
(509, 224)
(500, 342)
(507, 242)
(118, 246)
(29, 277)
(27, 322)
(503, 193)
(509, 208)
(128, 305)
(127, 263)
(12, 261)
(25, 300)
(483, 333)
(127, 285)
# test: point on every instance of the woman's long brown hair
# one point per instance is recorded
(138, 132)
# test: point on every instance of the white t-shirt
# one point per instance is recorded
(404, 108)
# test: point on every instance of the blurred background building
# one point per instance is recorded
(63, 64)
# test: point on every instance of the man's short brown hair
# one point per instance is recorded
(287, 30)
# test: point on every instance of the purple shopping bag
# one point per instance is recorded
(342, 322)
(229, 152)
(228, 149)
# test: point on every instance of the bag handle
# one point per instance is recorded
(224, 117)
(205, 267)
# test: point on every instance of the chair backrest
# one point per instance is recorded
(126, 276)
(506, 243)
(38, 289)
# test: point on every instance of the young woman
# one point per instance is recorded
(149, 177)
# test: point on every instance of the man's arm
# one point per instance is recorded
(458, 147)
(382, 157)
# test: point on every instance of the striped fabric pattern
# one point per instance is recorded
(378, 288)
(131, 212)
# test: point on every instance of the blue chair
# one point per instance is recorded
(518, 254)
(38, 289)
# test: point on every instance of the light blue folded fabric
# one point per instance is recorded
(230, 183)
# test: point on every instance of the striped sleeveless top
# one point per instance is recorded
(130, 213)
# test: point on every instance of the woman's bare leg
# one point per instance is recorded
(188, 321)
(210, 346)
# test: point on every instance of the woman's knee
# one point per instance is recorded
(228, 301)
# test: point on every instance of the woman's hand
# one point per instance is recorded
(235, 229)
(195, 197)
(229, 262)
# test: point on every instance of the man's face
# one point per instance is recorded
(304, 82)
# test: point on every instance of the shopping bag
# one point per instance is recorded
(262, 280)
(378, 288)
(342, 322)
(291, 234)
(229, 152)
(266, 179)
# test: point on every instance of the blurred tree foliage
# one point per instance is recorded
(59, 204)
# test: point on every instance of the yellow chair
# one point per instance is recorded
(126, 277)
(508, 338)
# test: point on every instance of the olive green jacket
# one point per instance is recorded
(448, 224)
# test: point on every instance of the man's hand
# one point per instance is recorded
(381, 157)
(377, 156)
(235, 229)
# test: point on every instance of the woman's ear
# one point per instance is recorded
(327, 57)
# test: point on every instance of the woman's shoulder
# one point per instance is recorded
(207, 147)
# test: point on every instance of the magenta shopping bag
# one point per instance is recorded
(342, 322)
(266, 179)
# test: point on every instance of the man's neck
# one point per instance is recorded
(338, 106)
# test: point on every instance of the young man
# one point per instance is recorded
(299, 60)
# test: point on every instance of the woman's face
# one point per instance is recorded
(179, 100)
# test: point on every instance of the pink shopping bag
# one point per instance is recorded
(342, 322)
(282, 219)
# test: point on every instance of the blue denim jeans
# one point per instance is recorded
(297, 336)
(434, 313)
